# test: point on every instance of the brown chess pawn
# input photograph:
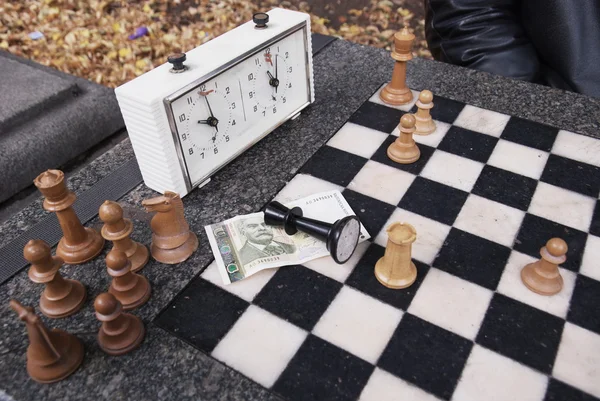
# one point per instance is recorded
(117, 229)
(131, 289)
(396, 92)
(52, 355)
(396, 268)
(424, 123)
(120, 332)
(78, 244)
(172, 240)
(404, 150)
(543, 277)
(61, 297)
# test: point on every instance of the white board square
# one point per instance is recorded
(590, 266)
(562, 206)
(492, 377)
(512, 286)
(328, 267)
(490, 220)
(358, 323)
(359, 140)
(382, 182)
(303, 185)
(518, 159)
(577, 147)
(482, 120)
(578, 359)
(383, 386)
(430, 234)
(260, 345)
(433, 139)
(452, 170)
(451, 303)
(246, 288)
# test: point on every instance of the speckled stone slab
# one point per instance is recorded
(165, 368)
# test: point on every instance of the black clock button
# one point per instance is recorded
(261, 20)
(177, 59)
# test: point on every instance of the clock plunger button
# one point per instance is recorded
(261, 20)
(177, 59)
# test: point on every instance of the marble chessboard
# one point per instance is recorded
(488, 191)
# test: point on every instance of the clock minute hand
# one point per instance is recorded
(211, 114)
(276, 74)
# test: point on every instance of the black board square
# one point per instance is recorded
(371, 212)
(298, 295)
(473, 258)
(585, 304)
(570, 174)
(595, 226)
(322, 371)
(363, 279)
(434, 200)
(426, 355)
(530, 133)
(202, 314)
(377, 116)
(444, 109)
(536, 231)
(521, 332)
(415, 168)
(470, 144)
(559, 391)
(334, 165)
(505, 187)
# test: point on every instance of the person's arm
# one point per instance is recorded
(484, 35)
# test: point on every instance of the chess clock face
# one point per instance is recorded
(218, 117)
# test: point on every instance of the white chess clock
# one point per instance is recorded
(191, 116)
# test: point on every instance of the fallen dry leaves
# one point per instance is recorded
(105, 40)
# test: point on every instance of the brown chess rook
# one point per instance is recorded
(396, 92)
(396, 268)
(404, 150)
(172, 240)
(424, 123)
(131, 289)
(543, 276)
(52, 355)
(120, 332)
(78, 244)
(61, 297)
(117, 229)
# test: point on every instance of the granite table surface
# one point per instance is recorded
(165, 367)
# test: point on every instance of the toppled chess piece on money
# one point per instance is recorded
(131, 289)
(117, 229)
(120, 332)
(341, 237)
(172, 240)
(396, 268)
(79, 244)
(543, 276)
(52, 355)
(61, 297)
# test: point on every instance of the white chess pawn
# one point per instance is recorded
(425, 124)
(396, 268)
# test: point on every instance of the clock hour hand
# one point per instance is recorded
(274, 82)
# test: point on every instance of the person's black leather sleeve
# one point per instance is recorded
(485, 35)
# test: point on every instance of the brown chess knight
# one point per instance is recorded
(172, 240)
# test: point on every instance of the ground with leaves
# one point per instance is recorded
(94, 39)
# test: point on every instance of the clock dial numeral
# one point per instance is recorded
(182, 118)
(191, 150)
(190, 100)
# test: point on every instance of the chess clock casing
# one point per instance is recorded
(185, 126)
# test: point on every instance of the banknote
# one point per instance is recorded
(245, 245)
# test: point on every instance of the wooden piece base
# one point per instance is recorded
(541, 284)
(81, 253)
(139, 258)
(132, 299)
(71, 350)
(175, 255)
(124, 342)
(394, 283)
(395, 97)
(424, 127)
(66, 306)
(403, 154)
